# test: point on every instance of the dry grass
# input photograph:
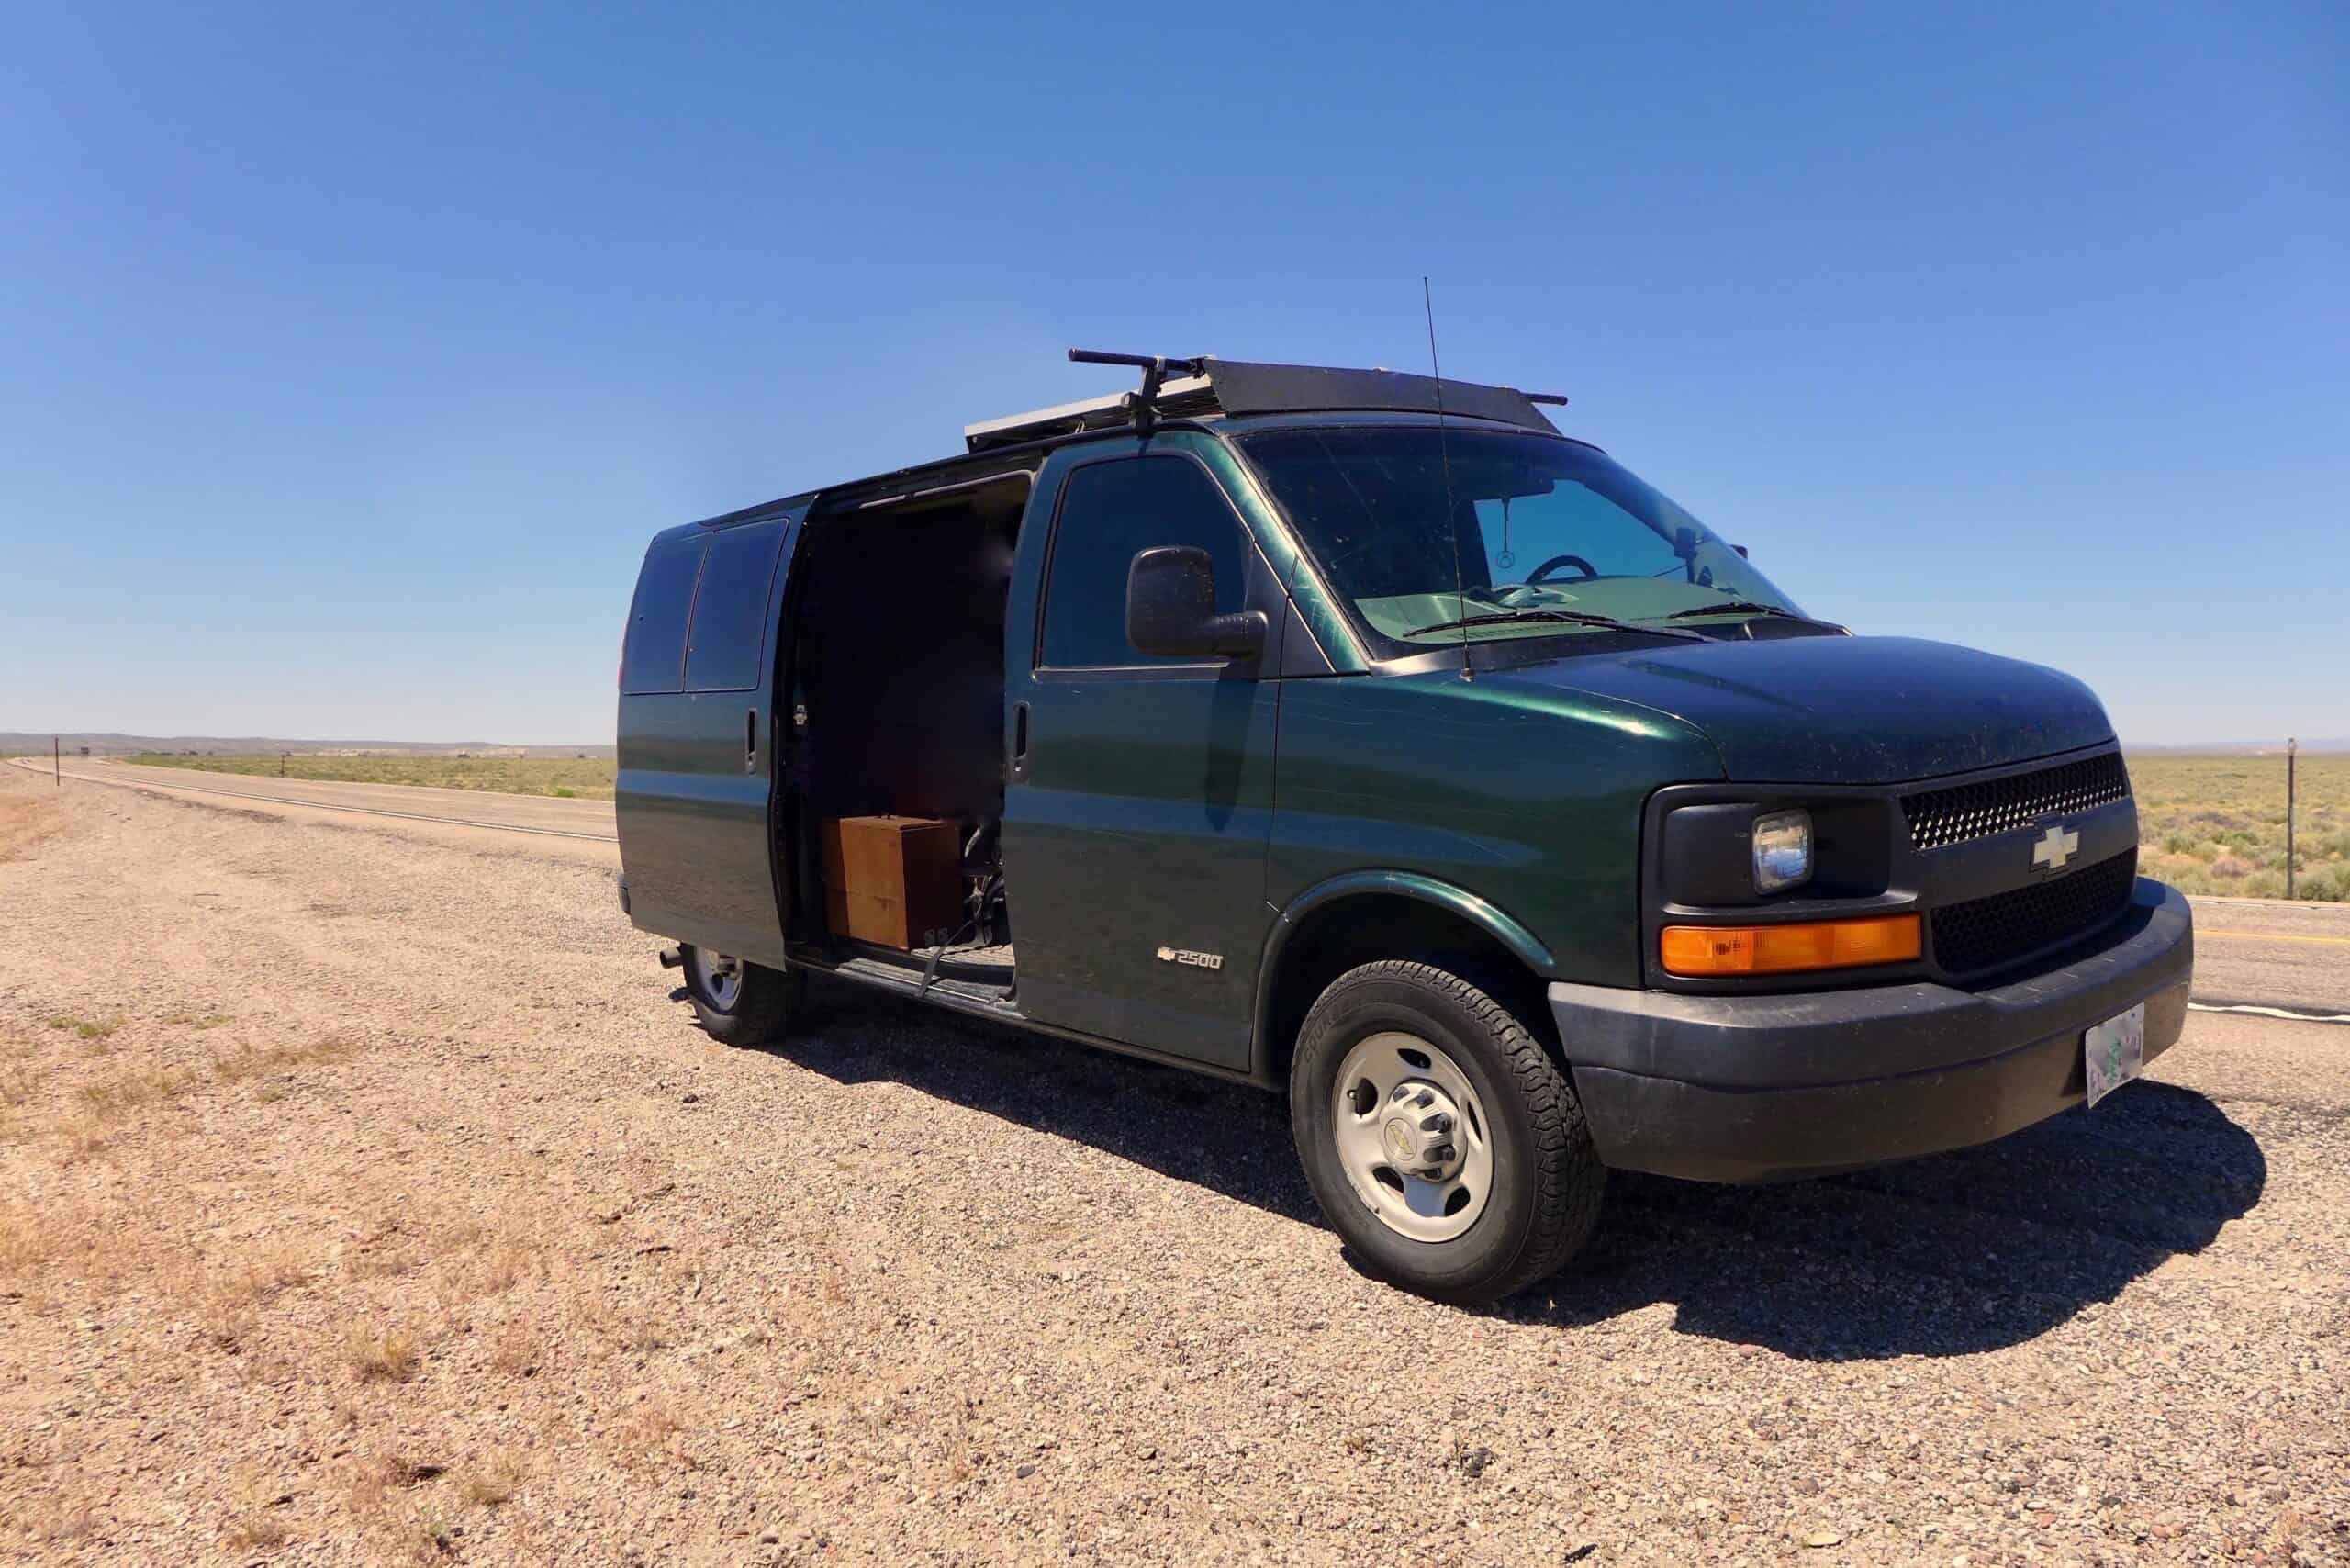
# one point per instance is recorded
(643, 1434)
(57, 1522)
(99, 1108)
(257, 1525)
(25, 821)
(20, 1083)
(2216, 824)
(584, 778)
(225, 1299)
(92, 1029)
(494, 1479)
(91, 1108)
(379, 1491)
(196, 1020)
(129, 1089)
(256, 1531)
(515, 1352)
(253, 1062)
(380, 1355)
(27, 1240)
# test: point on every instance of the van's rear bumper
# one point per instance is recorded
(1760, 1088)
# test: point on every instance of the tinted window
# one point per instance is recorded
(1111, 512)
(730, 610)
(653, 655)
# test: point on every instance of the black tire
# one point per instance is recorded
(1546, 1182)
(764, 1003)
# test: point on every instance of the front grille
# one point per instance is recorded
(1978, 811)
(1983, 934)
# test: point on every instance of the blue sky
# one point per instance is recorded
(348, 357)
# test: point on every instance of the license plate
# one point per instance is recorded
(2115, 1051)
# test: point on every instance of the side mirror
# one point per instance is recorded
(1171, 608)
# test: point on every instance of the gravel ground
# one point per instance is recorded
(365, 1199)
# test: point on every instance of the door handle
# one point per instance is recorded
(1020, 740)
(751, 741)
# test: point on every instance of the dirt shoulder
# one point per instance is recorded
(363, 1198)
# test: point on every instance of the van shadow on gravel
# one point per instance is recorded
(1961, 1252)
(1972, 1250)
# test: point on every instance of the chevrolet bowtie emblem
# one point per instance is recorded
(2055, 847)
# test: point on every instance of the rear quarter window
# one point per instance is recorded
(730, 620)
(653, 655)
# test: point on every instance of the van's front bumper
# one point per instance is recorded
(1759, 1088)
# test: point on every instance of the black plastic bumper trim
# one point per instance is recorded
(1758, 1088)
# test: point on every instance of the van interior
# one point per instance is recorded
(894, 695)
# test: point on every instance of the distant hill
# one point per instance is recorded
(109, 743)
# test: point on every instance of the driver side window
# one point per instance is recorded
(1110, 514)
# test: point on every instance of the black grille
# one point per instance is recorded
(1983, 934)
(1978, 811)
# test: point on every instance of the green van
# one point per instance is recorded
(1357, 734)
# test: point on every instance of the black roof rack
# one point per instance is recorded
(1206, 386)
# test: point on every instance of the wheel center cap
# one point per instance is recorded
(1421, 1132)
(1401, 1143)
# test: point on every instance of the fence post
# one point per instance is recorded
(2290, 748)
(57, 770)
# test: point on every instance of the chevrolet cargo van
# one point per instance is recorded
(1360, 736)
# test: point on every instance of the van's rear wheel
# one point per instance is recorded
(1442, 1142)
(738, 1003)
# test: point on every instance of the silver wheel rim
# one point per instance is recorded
(1413, 1137)
(719, 978)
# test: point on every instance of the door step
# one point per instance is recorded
(990, 965)
(974, 996)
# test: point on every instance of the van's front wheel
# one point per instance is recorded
(1441, 1141)
(738, 1003)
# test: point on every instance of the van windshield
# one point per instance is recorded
(1540, 530)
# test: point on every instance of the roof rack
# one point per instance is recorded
(1204, 385)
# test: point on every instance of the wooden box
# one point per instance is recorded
(897, 881)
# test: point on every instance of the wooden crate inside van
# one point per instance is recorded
(897, 881)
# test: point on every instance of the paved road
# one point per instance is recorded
(2262, 952)
(477, 819)
(2257, 953)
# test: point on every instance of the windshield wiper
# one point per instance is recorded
(1572, 617)
(1736, 605)
(1747, 607)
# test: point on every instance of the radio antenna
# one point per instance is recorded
(1444, 457)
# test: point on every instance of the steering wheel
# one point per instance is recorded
(1544, 570)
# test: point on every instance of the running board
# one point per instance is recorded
(996, 1005)
(964, 995)
(992, 968)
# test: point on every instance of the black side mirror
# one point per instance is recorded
(1171, 608)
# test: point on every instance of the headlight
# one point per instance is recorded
(1781, 850)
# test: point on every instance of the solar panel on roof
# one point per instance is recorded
(1211, 386)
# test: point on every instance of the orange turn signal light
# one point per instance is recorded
(1776, 949)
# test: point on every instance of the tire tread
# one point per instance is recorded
(762, 1010)
(1569, 1182)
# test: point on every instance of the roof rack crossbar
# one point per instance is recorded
(1142, 405)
